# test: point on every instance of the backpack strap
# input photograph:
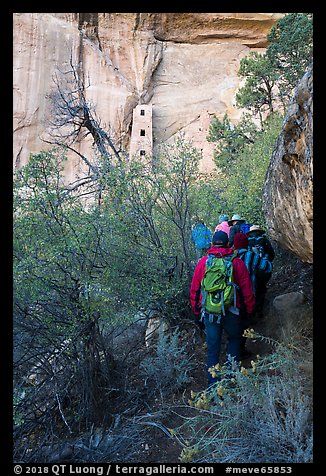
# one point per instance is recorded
(208, 264)
(231, 283)
(209, 260)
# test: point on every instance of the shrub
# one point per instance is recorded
(168, 370)
(258, 414)
(244, 165)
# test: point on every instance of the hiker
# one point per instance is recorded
(228, 320)
(223, 224)
(248, 256)
(237, 225)
(201, 236)
(260, 244)
(257, 238)
(251, 260)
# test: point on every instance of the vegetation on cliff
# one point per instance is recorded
(271, 77)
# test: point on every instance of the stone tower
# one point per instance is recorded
(141, 142)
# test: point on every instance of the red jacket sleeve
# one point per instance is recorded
(195, 288)
(241, 277)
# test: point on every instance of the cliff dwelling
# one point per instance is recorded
(141, 141)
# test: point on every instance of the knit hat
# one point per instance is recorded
(220, 238)
(222, 218)
(240, 241)
(255, 228)
(235, 218)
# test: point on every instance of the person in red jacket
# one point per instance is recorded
(231, 322)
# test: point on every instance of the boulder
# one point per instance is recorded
(289, 301)
(288, 187)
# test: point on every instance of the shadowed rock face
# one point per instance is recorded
(288, 188)
(185, 64)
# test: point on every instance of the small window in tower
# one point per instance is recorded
(142, 112)
(142, 152)
(142, 132)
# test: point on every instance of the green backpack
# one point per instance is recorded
(218, 288)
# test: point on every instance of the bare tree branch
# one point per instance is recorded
(73, 118)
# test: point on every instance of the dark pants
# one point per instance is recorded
(261, 289)
(232, 325)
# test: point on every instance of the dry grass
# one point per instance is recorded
(260, 414)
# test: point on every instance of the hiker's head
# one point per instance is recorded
(197, 219)
(220, 238)
(255, 230)
(240, 241)
(235, 219)
(223, 218)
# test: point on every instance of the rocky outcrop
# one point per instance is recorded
(249, 29)
(184, 64)
(288, 187)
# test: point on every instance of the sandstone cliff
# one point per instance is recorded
(184, 64)
(288, 188)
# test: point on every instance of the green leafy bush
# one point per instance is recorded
(240, 187)
(78, 268)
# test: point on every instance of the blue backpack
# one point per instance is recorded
(265, 267)
(201, 236)
(245, 227)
